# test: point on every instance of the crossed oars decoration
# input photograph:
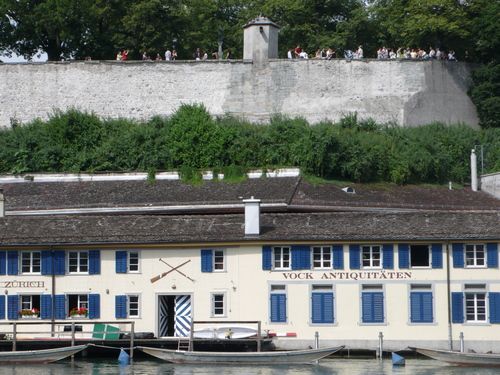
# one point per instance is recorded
(156, 278)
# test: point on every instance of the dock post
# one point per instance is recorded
(132, 337)
(316, 340)
(259, 336)
(14, 337)
(462, 349)
(380, 344)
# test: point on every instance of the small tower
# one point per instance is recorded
(260, 40)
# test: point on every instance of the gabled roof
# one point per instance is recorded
(221, 229)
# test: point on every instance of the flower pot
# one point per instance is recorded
(77, 316)
(29, 316)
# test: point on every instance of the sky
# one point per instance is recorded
(15, 58)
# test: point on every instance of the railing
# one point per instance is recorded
(62, 329)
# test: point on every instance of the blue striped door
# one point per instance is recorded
(163, 317)
(182, 316)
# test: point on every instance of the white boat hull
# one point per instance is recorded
(224, 332)
(461, 359)
(276, 357)
(39, 356)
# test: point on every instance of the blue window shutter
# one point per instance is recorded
(457, 307)
(2, 306)
(3, 262)
(338, 257)
(354, 257)
(60, 306)
(206, 260)
(322, 308)
(494, 308)
(120, 306)
(373, 307)
(301, 257)
(404, 255)
(94, 306)
(59, 264)
(278, 308)
(94, 262)
(458, 256)
(121, 261)
(46, 262)
(12, 263)
(421, 307)
(437, 255)
(492, 249)
(46, 306)
(12, 307)
(387, 257)
(267, 257)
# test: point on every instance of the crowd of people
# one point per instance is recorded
(172, 55)
(382, 53)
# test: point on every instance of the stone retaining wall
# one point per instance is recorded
(406, 92)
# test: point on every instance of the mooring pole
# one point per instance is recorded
(316, 340)
(380, 344)
(462, 349)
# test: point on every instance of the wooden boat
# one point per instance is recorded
(39, 356)
(268, 358)
(224, 332)
(461, 359)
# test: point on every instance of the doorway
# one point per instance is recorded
(174, 315)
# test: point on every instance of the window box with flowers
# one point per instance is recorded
(29, 313)
(79, 313)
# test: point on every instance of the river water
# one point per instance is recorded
(334, 366)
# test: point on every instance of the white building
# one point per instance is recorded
(417, 264)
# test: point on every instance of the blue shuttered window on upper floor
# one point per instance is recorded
(2, 307)
(388, 257)
(492, 254)
(494, 302)
(267, 256)
(404, 255)
(338, 257)
(12, 307)
(46, 262)
(94, 262)
(458, 255)
(207, 260)
(322, 308)
(60, 306)
(121, 261)
(120, 307)
(59, 263)
(301, 257)
(278, 308)
(94, 306)
(437, 255)
(372, 307)
(354, 257)
(46, 306)
(457, 307)
(3, 262)
(421, 307)
(12, 262)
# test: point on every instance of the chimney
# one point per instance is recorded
(2, 204)
(473, 169)
(252, 216)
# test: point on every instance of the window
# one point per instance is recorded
(30, 305)
(475, 255)
(64, 303)
(219, 264)
(278, 304)
(78, 301)
(78, 261)
(419, 256)
(281, 257)
(322, 256)
(371, 256)
(127, 306)
(372, 304)
(31, 262)
(127, 261)
(218, 304)
(421, 304)
(475, 303)
(322, 304)
(213, 260)
(133, 306)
